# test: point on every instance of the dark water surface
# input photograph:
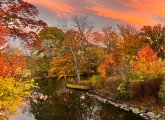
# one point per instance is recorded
(54, 102)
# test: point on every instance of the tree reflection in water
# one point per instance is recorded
(62, 104)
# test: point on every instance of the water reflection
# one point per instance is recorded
(57, 103)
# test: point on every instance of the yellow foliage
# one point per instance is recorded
(148, 64)
(62, 66)
(13, 93)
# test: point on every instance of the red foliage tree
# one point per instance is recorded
(147, 54)
(106, 66)
(148, 63)
(10, 64)
(20, 18)
(3, 34)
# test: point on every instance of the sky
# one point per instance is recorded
(102, 12)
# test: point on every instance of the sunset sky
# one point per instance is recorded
(101, 12)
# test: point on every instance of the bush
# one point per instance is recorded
(96, 80)
(162, 91)
(125, 95)
(123, 91)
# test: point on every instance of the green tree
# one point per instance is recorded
(155, 36)
(52, 38)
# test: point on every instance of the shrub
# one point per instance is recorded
(125, 95)
(123, 91)
(162, 91)
(96, 80)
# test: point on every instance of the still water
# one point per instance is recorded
(54, 102)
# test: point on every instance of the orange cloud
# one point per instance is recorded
(128, 17)
(135, 12)
(55, 6)
(147, 7)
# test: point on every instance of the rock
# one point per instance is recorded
(151, 114)
(112, 103)
(116, 105)
(160, 119)
(158, 116)
(163, 113)
(122, 106)
(136, 111)
(126, 109)
(142, 111)
(145, 117)
(141, 114)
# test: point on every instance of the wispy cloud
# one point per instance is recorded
(135, 12)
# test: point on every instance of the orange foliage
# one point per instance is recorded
(19, 17)
(10, 64)
(147, 63)
(62, 66)
(3, 33)
(147, 54)
(106, 66)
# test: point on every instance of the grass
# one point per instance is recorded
(80, 87)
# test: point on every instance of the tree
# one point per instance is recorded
(147, 64)
(12, 62)
(77, 41)
(132, 41)
(19, 17)
(12, 91)
(96, 54)
(108, 39)
(3, 34)
(52, 38)
(155, 37)
(106, 66)
(62, 66)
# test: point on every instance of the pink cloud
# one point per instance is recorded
(135, 12)
(58, 8)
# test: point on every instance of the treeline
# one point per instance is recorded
(125, 61)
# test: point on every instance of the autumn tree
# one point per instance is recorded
(62, 66)
(106, 66)
(12, 63)
(147, 64)
(51, 38)
(155, 37)
(132, 41)
(108, 38)
(3, 34)
(76, 41)
(12, 91)
(20, 18)
(96, 54)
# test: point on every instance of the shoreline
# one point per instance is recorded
(146, 115)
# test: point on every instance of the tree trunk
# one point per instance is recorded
(78, 73)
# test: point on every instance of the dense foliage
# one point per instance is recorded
(124, 62)
(20, 18)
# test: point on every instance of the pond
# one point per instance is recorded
(53, 101)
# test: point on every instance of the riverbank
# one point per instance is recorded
(145, 114)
